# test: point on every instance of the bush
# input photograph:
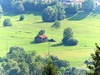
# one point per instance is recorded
(7, 22)
(72, 42)
(22, 17)
(56, 25)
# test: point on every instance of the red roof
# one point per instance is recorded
(42, 36)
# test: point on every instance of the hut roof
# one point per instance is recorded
(42, 36)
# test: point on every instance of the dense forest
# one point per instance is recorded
(22, 62)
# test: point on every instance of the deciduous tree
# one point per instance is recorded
(88, 5)
(49, 14)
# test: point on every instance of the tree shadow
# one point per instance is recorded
(36, 13)
(79, 16)
(40, 22)
(56, 45)
(69, 15)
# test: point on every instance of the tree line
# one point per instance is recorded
(51, 11)
(19, 62)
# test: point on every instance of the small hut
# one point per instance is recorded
(41, 38)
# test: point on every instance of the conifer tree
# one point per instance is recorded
(95, 68)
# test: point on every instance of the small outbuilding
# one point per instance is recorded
(41, 38)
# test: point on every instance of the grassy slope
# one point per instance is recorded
(86, 29)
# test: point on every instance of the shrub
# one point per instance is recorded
(72, 42)
(56, 25)
(22, 17)
(7, 22)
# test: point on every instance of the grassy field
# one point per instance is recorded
(85, 26)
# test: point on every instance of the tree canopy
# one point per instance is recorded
(68, 37)
(88, 5)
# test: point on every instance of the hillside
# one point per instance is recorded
(84, 25)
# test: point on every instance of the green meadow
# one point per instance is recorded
(85, 26)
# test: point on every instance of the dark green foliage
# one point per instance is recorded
(28, 63)
(68, 37)
(40, 6)
(95, 67)
(18, 7)
(56, 25)
(72, 42)
(14, 71)
(29, 5)
(88, 5)
(49, 14)
(50, 69)
(41, 32)
(68, 33)
(22, 17)
(7, 22)
(53, 13)
(59, 63)
(71, 9)
(75, 71)
(7, 4)
(59, 8)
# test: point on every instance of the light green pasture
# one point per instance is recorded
(22, 33)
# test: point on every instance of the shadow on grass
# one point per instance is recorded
(79, 16)
(32, 42)
(10, 13)
(43, 22)
(40, 22)
(36, 13)
(56, 45)
(69, 15)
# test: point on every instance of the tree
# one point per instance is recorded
(21, 17)
(29, 5)
(68, 33)
(50, 69)
(59, 8)
(95, 68)
(41, 32)
(88, 5)
(56, 25)
(7, 22)
(68, 37)
(49, 14)
(18, 7)
(71, 9)
(7, 4)
(1, 11)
